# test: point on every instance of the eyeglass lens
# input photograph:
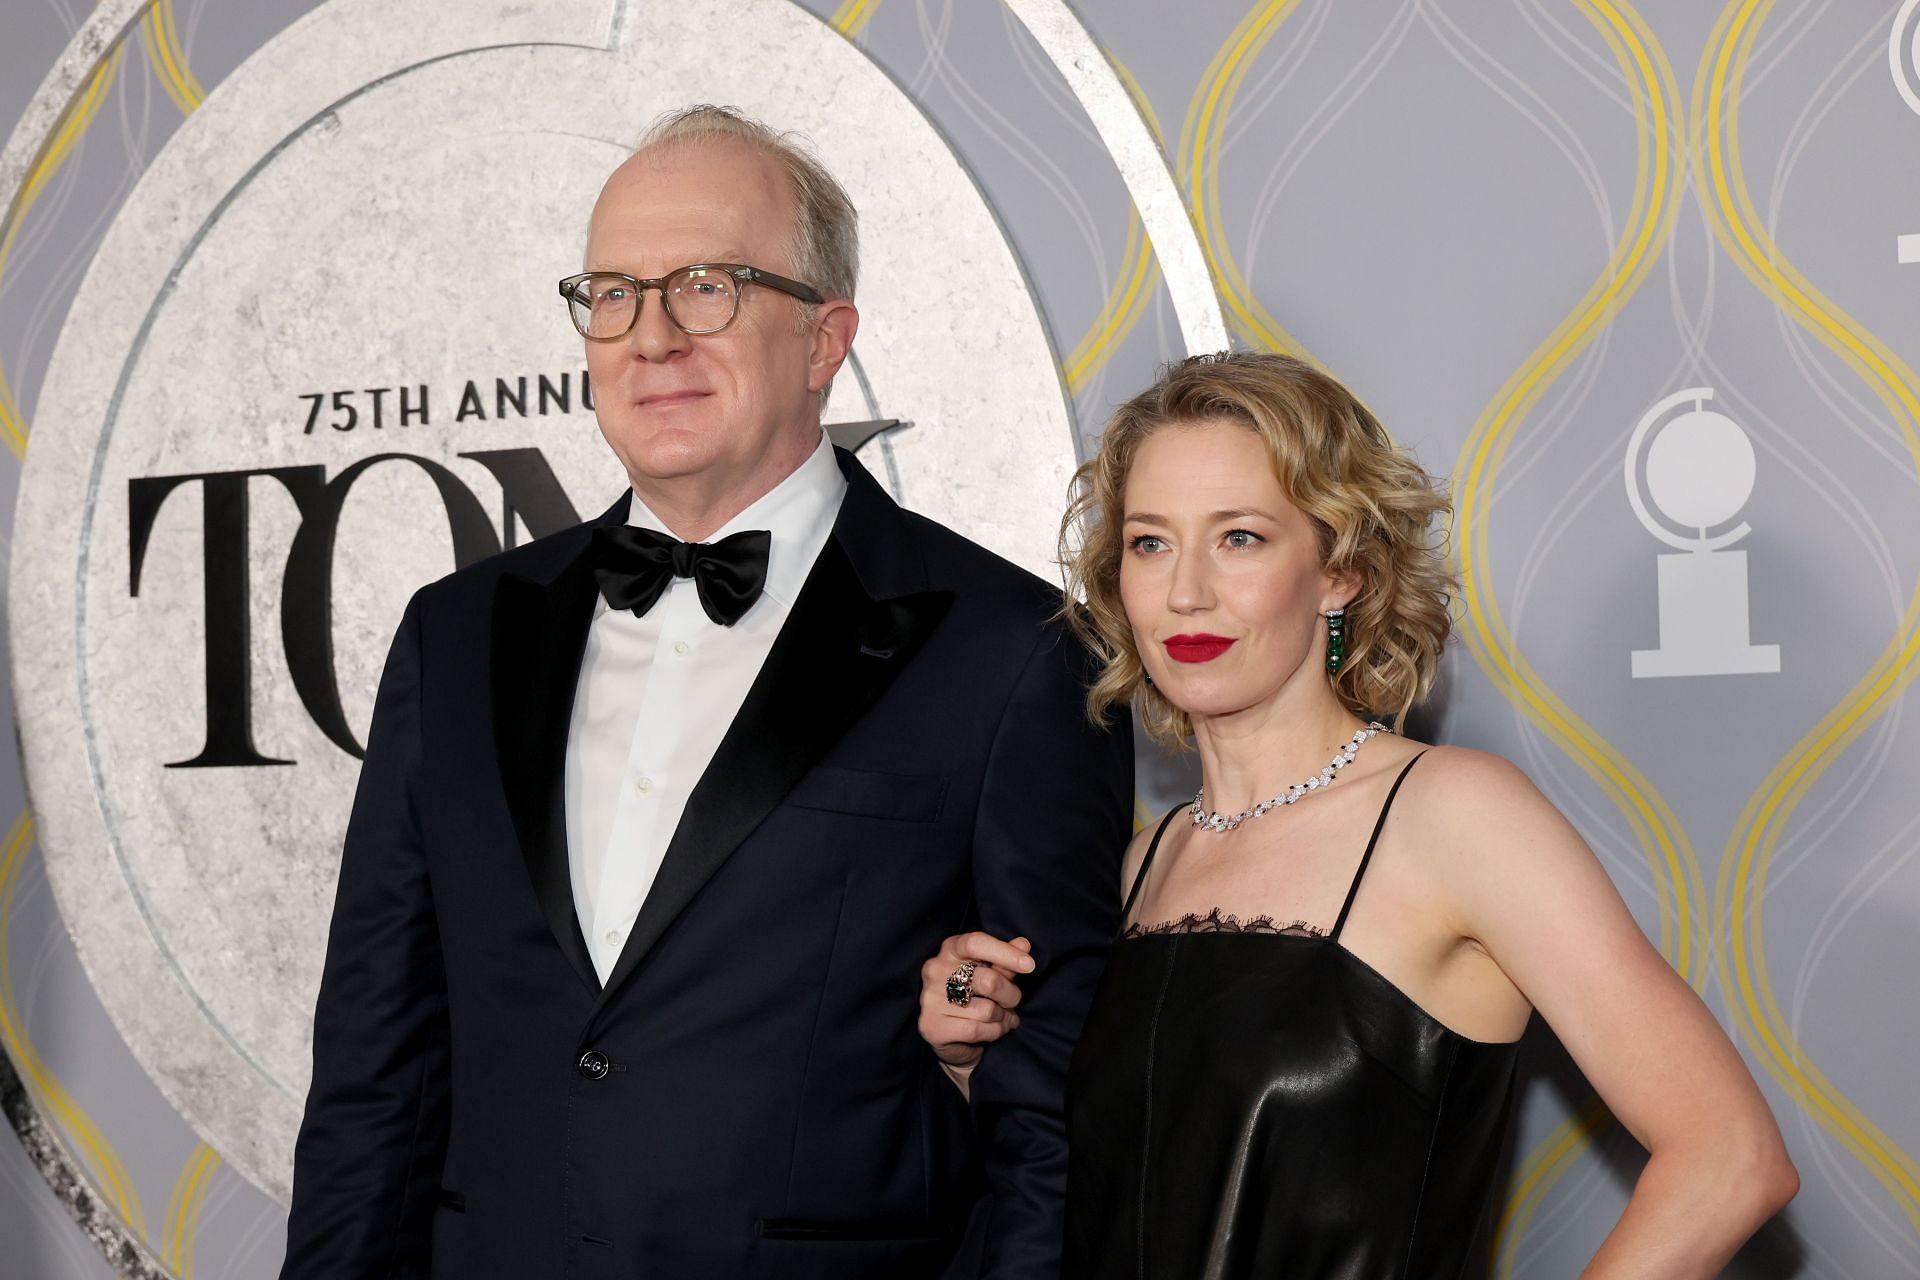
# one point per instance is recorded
(699, 300)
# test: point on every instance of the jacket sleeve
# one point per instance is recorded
(1055, 813)
(367, 1163)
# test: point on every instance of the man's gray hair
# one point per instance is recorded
(826, 231)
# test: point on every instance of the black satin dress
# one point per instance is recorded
(1253, 1101)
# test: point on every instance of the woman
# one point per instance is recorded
(1300, 1062)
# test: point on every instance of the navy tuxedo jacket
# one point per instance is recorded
(747, 1096)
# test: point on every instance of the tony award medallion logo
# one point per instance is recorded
(1696, 467)
(1903, 59)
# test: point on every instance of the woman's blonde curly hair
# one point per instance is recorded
(1372, 505)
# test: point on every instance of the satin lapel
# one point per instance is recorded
(834, 657)
(539, 635)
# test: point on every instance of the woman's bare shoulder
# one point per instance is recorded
(1483, 820)
(1463, 778)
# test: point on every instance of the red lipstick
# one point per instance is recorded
(1196, 648)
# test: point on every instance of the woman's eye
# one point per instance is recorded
(1146, 543)
(1242, 538)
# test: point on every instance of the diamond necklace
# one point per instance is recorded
(1207, 820)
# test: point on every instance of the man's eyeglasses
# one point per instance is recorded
(703, 298)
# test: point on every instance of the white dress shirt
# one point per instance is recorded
(656, 695)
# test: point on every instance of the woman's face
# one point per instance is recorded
(1220, 574)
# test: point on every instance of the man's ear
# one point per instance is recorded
(834, 324)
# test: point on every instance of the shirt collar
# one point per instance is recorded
(799, 512)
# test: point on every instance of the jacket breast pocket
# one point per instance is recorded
(898, 797)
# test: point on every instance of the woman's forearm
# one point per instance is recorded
(1694, 1206)
(962, 1078)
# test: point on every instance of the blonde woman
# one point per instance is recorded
(1301, 1060)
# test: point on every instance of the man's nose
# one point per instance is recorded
(654, 335)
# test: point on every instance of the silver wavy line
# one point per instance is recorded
(1554, 418)
(1849, 898)
(1778, 443)
(1030, 157)
(97, 1222)
(49, 306)
(1778, 39)
(1621, 857)
(1304, 29)
(64, 1174)
(1820, 103)
(1595, 68)
(1066, 108)
(1842, 1175)
(1050, 87)
(1320, 122)
(1858, 1201)
(1573, 1194)
(1624, 858)
(1050, 175)
(103, 27)
(1567, 141)
(1808, 839)
(257, 1235)
(936, 49)
(1142, 166)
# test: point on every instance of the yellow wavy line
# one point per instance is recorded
(169, 59)
(1740, 889)
(184, 1207)
(1549, 1161)
(1678, 879)
(1126, 303)
(1127, 300)
(1200, 160)
(170, 1225)
(53, 1100)
(162, 41)
(67, 133)
(1655, 206)
(851, 18)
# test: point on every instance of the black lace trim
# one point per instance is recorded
(1215, 921)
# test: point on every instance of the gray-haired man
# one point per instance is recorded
(660, 814)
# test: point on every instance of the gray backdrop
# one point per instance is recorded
(1631, 280)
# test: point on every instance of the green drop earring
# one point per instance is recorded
(1336, 640)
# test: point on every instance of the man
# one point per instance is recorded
(652, 837)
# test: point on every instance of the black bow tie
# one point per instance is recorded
(633, 567)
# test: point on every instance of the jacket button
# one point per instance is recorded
(593, 1065)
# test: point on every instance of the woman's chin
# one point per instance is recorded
(1206, 699)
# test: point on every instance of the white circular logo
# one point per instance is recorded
(1700, 469)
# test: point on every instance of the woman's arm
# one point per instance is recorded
(1531, 893)
(959, 1034)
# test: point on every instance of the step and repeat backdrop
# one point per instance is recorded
(279, 342)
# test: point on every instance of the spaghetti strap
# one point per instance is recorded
(1140, 876)
(1354, 888)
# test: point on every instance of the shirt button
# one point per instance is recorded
(613, 937)
(681, 648)
(593, 1065)
(643, 785)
